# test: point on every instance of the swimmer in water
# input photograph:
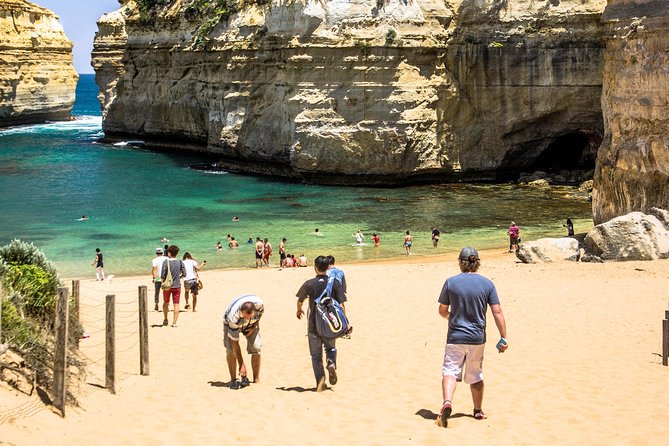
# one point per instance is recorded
(318, 233)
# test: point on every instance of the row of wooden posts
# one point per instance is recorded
(61, 326)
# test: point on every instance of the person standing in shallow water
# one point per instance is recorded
(408, 241)
(99, 265)
(514, 236)
(570, 228)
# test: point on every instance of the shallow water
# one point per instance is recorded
(52, 174)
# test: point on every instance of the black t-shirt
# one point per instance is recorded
(435, 233)
(313, 288)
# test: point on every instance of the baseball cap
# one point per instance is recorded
(467, 253)
(159, 250)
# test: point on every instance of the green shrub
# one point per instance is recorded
(30, 282)
(391, 36)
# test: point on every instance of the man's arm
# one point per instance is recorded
(443, 311)
(299, 309)
(154, 272)
(501, 323)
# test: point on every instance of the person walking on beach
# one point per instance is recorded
(99, 265)
(335, 272)
(243, 316)
(408, 241)
(176, 269)
(463, 300)
(570, 228)
(514, 236)
(312, 289)
(191, 278)
(260, 247)
(156, 269)
(436, 234)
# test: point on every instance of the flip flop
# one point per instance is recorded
(479, 415)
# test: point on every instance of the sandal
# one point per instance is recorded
(245, 382)
(479, 415)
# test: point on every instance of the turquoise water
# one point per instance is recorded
(52, 174)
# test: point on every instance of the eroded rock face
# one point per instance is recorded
(37, 78)
(363, 91)
(632, 172)
(635, 236)
(546, 250)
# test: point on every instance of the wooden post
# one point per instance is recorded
(665, 339)
(75, 302)
(110, 348)
(143, 333)
(60, 350)
(75, 298)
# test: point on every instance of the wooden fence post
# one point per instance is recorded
(110, 348)
(75, 298)
(143, 333)
(60, 350)
(665, 339)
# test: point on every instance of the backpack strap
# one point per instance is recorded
(327, 291)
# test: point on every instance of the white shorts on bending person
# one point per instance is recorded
(469, 357)
(253, 341)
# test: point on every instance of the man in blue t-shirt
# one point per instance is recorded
(464, 300)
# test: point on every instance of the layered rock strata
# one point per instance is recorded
(380, 91)
(632, 171)
(37, 78)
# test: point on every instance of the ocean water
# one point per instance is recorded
(52, 174)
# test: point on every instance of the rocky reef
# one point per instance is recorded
(359, 91)
(632, 172)
(37, 78)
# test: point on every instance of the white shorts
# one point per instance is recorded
(469, 357)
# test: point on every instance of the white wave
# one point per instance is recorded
(79, 123)
(214, 172)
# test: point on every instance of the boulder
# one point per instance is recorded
(635, 236)
(549, 250)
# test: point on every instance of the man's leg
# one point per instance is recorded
(166, 305)
(194, 300)
(186, 296)
(316, 352)
(156, 294)
(232, 364)
(255, 365)
(331, 359)
(448, 387)
(477, 395)
(176, 294)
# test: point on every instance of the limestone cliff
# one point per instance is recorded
(360, 91)
(633, 165)
(37, 78)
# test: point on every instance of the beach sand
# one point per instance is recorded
(583, 364)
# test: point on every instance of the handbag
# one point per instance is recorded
(199, 285)
(167, 283)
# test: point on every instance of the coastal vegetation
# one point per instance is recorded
(29, 285)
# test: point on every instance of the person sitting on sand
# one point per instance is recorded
(243, 316)
(463, 300)
(302, 260)
(289, 261)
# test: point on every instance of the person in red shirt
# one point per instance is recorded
(375, 237)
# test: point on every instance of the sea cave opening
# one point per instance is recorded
(572, 151)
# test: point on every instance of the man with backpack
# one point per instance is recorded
(315, 289)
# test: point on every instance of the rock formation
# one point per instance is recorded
(635, 236)
(632, 172)
(37, 78)
(546, 250)
(360, 91)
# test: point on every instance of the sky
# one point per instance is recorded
(79, 19)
